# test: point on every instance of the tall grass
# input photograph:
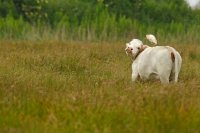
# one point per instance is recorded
(67, 87)
(104, 27)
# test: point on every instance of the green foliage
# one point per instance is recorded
(32, 10)
(98, 19)
(168, 11)
(7, 8)
(10, 26)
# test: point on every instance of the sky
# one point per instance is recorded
(192, 3)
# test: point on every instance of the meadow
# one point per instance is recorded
(63, 67)
(85, 87)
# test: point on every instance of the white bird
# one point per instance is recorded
(151, 38)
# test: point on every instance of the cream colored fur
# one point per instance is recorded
(159, 62)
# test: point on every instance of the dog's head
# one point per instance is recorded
(134, 47)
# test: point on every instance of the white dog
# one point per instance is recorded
(159, 62)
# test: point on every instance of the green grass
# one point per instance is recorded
(86, 88)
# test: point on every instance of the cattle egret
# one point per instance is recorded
(151, 38)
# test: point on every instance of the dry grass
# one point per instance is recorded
(80, 87)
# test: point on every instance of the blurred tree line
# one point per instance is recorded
(100, 16)
(146, 11)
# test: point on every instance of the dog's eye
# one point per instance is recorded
(138, 47)
(131, 48)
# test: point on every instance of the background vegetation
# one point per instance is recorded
(91, 20)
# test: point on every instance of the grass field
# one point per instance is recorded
(86, 88)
